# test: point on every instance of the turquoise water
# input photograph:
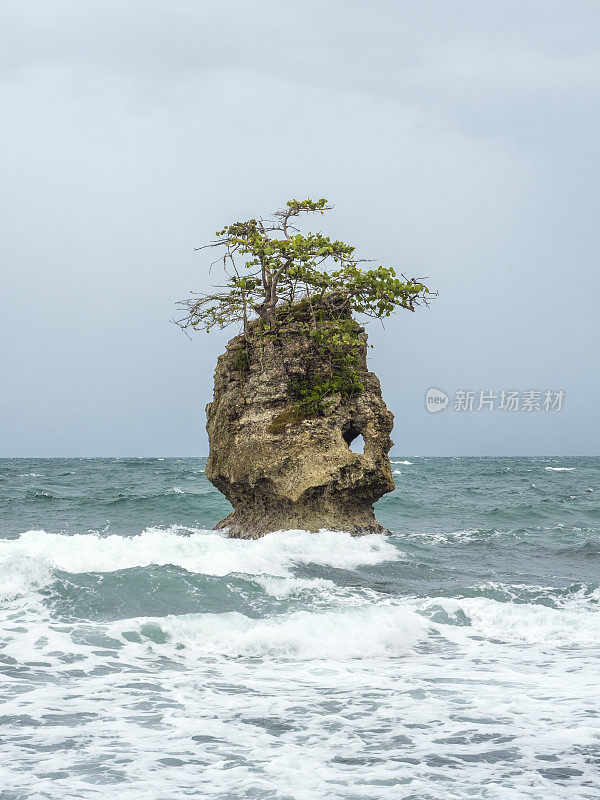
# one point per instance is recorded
(145, 656)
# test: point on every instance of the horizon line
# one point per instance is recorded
(391, 455)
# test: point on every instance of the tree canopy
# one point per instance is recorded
(270, 263)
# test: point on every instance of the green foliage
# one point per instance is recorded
(282, 275)
(311, 393)
(241, 361)
(337, 348)
(267, 261)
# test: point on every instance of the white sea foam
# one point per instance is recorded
(445, 537)
(530, 623)
(306, 704)
(286, 587)
(365, 632)
(401, 462)
(559, 469)
(198, 551)
(20, 573)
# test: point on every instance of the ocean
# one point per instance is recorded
(144, 655)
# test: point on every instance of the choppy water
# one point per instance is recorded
(144, 656)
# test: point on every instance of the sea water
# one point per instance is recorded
(144, 655)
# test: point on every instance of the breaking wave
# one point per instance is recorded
(145, 655)
(198, 551)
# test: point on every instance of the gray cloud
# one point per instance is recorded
(457, 140)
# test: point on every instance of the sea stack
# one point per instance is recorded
(280, 448)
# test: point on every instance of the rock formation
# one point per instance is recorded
(279, 449)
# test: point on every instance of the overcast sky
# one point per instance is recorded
(458, 141)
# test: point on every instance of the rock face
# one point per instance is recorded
(281, 466)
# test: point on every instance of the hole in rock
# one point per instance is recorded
(358, 445)
(354, 439)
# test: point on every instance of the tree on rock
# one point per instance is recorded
(270, 265)
(294, 389)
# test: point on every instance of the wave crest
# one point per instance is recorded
(366, 632)
(199, 551)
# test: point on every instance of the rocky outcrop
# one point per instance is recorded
(284, 462)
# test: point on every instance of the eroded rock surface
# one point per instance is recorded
(280, 466)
